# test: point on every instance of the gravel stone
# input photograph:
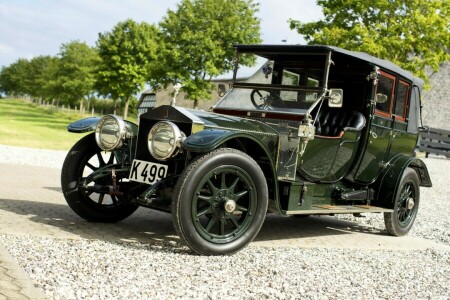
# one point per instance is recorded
(93, 269)
(86, 269)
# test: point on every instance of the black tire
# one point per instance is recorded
(84, 158)
(220, 202)
(400, 221)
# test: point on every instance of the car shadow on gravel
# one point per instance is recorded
(59, 221)
(278, 227)
(55, 189)
(149, 226)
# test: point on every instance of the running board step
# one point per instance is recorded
(338, 209)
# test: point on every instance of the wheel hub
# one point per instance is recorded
(229, 206)
(410, 203)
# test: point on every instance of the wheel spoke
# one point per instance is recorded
(111, 159)
(212, 186)
(223, 184)
(233, 185)
(91, 167)
(203, 212)
(210, 224)
(114, 200)
(100, 199)
(406, 194)
(240, 195)
(233, 220)
(205, 198)
(241, 208)
(403, 197)
(222, 226)
(101, 161)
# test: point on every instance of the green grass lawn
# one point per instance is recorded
(29, 125)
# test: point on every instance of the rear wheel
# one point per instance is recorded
(220, 202)
(83, 159)
(400, 221)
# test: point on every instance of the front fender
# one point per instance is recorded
(89, 124)
(207, 140)
(83, 125)
(390, 180)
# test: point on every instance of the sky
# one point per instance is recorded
(30, 28)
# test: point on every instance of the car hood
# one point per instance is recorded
(213, 120)
(199, 120)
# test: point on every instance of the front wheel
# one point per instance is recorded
(400, 221)
(83, 159)
(220, 202)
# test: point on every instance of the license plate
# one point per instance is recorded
(147, 172)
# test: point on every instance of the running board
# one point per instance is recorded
(338, 209)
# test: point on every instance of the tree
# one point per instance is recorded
(29, 77)
(197, 43)
(75, 77)
(48, 80)
(126, 52)
(40, 70)
(13, 78)
(414, 34)
(7, 84)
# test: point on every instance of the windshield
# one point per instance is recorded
(289, 85)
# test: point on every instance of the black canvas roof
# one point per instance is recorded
(270, 51)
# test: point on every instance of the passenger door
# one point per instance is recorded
(378, 144)
(403, 143)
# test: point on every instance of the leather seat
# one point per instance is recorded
(330, 122)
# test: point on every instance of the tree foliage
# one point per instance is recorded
(12, 78)
(45, 70)
(126, 52)
(76, 74)
(28, 77)
(414, 34)
(197, 40)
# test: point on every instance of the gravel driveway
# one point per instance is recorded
(97, 269)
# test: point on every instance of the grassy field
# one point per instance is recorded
(29, 125)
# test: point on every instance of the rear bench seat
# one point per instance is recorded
(333, 122)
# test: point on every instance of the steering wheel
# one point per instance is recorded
(266, 102)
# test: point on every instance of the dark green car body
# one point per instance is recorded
(330, 131)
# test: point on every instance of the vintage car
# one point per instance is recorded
(318, 130)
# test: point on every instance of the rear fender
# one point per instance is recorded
(388, 183)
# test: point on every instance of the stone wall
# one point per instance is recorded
(436, 101)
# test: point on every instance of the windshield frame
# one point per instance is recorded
(276, 56)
